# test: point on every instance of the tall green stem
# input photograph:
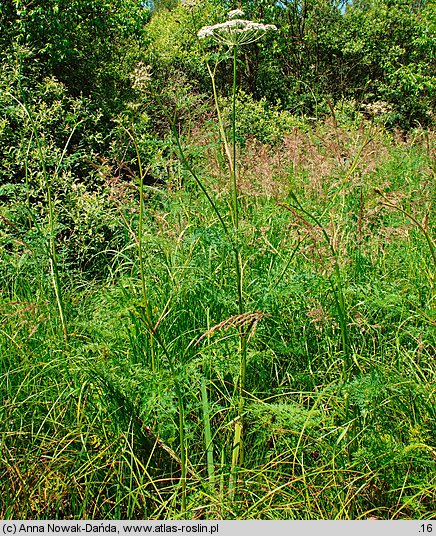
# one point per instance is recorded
(237, 453)
(233, 167)
(54, 270)
(151, 326)
(230, 150)
(220, 119)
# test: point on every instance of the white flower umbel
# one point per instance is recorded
(141, 76)
(235, 32)
(235, 14)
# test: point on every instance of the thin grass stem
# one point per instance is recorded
(154, 333)
(53, 262)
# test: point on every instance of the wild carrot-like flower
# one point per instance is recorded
(235, 14)
(235, 31)
(141, 76)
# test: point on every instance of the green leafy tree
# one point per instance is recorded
(389, 53)
(88, 46)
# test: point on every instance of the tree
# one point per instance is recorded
(84, 44)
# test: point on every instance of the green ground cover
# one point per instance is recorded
(339, 412)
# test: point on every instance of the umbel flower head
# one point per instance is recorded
(141, 76)
(235, 31)
(235, 14)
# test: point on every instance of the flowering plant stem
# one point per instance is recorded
(237, 453)
(237, 450)
(233, 163)
(151, 325)
(51, 246)
(230, 150)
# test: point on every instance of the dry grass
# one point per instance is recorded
(313, 159)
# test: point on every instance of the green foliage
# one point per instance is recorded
(104, 407)
(260, 120)
(335, 426)
(85, 45)
(393, 48)
(66, 131)
(323, 53)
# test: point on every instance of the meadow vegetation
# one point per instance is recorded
(200, 328)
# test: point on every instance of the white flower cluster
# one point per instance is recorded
(377, 108)
(141, 76)
(235, 31)
(235, 14)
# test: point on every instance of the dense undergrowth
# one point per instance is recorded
(91, 423)
(178, 341)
